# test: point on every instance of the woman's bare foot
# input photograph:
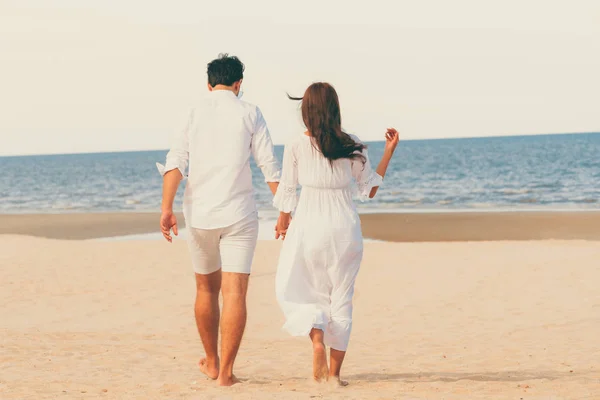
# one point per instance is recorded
(320, 369)
(212, 371)
(335, 380)
(227, 381)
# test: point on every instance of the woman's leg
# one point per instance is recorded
(320, 370)
(337, 336)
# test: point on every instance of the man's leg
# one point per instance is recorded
(237, 250)
(233, 322)
(207, 320)
(206, 260)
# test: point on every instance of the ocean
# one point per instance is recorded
(542, 172)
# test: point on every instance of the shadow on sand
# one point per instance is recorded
(504, 376)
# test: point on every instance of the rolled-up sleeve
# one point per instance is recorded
(286, 198)
(366, 177)
(178, 155)
(263, 151)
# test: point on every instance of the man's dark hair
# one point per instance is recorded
(225, 70)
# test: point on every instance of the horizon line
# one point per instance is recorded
(367, 141)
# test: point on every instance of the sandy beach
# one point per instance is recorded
(487, 320)
(465, 136)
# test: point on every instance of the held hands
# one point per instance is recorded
(168, 221)
(392, 137)
(283, 223)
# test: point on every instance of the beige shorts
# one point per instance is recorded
(230, 249)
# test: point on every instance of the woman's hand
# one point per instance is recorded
(283, 223)
(392, 137)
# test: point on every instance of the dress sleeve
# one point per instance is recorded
(286, 199)
(178, 155)
(366, 177)
(262, 150)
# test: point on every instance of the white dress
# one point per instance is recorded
(322, 251)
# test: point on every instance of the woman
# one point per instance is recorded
(323, 247)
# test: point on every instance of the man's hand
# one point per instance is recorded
(168, 221)
(283, 223)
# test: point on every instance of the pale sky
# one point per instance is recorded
(111, 75)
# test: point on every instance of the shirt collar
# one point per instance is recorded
(223, 93)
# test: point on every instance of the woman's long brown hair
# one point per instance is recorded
(322, 117)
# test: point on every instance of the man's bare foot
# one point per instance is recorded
(212, 371)
(320, 368)
(336, 381)
(227, 381)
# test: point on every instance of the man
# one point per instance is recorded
(221, 134)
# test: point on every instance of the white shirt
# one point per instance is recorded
(217, 141)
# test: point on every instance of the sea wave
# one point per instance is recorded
(528, 200)
(510, 191)
(542, 172)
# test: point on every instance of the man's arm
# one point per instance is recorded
(264, 154)
(177, 161)
(168, 220)
(171, 182)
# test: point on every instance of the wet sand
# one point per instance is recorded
(397, 227)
